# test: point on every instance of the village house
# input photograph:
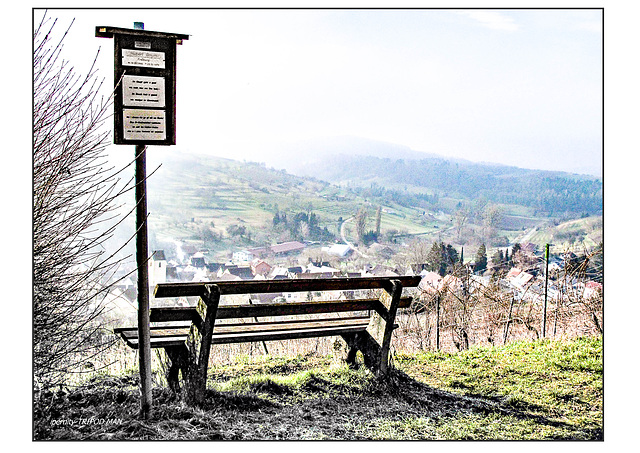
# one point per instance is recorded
(590, 289)
(294, 271)
(188, 251)
(380, 271)
(234, 272)
(431, 282)
(324, 271)
(213, 268)
(260, 267)
(519, 279)
(198, 260)
(278, 273)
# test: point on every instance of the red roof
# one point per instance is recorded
(514, 272)
(287, 247)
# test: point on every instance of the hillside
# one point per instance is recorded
(207, 199)
(224, 205)
(544, 193)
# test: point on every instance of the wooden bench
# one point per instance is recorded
(187, 333)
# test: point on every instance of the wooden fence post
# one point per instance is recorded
(546, 290)
(506, 328)
(142, 258)
(438, 321)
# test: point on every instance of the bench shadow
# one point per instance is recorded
(398, 389)
(445, 403)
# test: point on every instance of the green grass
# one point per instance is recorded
(536, 390)
(558, 380)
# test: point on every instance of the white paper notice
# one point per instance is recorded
(142, 58)
(144, 124)
(142, 91)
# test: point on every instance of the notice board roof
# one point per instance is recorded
(108, 32)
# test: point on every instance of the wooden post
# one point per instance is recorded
(546, 290)
(438, 321)
(506, 328)
(142, 258)
(375, 342)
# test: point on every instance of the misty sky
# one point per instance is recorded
(518, 87)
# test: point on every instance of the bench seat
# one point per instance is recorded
(223, 333)
(161, 336)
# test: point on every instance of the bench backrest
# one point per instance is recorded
(279, 286)
(167, 314)
(164, 290)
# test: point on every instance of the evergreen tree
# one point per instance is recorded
(378, 220)
(481, 259)
(515, 249)
(361, 223)
(434, 259)
(497, 258)
(450, 256)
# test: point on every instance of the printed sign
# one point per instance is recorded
(143, 91)
(141, 124)
(143, 58)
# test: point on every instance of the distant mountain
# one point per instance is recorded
(368, 164)
(303, 157)
(300, 158)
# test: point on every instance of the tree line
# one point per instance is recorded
(545, 191)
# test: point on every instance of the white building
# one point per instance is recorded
(341, 250)
(157, 266)
(243, 256)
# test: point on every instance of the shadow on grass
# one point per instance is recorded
(443, 403)
(398, 407)
(394, 399)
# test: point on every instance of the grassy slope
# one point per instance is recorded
(572, 234)
(525, 390)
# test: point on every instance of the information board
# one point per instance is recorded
(143, 91)
(145, 85)
(143, 59)
(145, 125)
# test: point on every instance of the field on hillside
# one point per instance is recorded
(187, 195)
(567, 235)
(198, 199)
(530, 390)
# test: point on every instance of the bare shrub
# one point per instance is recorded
(74, 200)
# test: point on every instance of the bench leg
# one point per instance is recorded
(365, 343)
(345, 351)
(380, 329)
(179, 356)
(197, 382)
